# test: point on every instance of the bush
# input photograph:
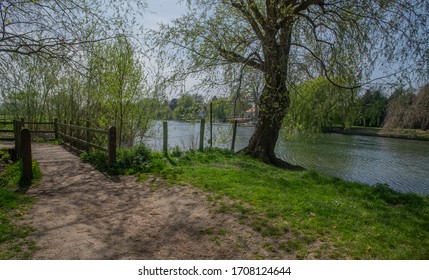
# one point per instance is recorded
(97, 159)
(138, 159)
(4, 156)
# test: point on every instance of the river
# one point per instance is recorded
(402, 164)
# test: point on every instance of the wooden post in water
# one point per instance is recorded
(27, 168)
(211, 124)
(165, 137)
(234, 135)
(112, 145)
(202, 127)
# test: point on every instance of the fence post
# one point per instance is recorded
(112, 144)
(165, 137)
(202, 127)
(27, 167)
(234, 135)
(211, 124)
(56, 128)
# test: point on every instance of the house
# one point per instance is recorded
(250, 114)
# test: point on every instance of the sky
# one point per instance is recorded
(161, 11)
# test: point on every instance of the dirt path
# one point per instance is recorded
(82, 214)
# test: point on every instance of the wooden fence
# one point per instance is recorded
(7, 127)
(77, 138)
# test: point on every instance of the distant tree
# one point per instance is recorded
(400, 109)
(172, 104)
(373, 106)
(408, 110)
(186, 108)
(421, 108)
(318, 104)
(222, 109)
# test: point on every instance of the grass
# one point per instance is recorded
(13, 204)
(306, 214)
(346, 219)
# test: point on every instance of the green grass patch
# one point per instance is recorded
(12, 176)
(345, 219)
(13, 204)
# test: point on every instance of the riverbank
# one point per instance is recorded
(310, 215)
(303, 214)
(411, 134)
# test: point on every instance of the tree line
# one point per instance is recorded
(319, 105)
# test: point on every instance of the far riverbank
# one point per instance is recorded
(411, 134)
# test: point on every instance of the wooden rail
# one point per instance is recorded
(5, 130)
(77, 138)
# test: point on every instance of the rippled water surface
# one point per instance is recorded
(403, 164)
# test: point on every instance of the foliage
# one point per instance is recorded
(373, 108)
(186, 108)
(222, 109)
(4, 156)
(318, 104)
(57, 29)
(138, 159)
(407, 110)
(75, 61)
(307, 214)
(118, 82)
(421, 108)
(112, 90)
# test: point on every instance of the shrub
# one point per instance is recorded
(138, 159)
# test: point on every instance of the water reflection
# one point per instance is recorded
(403, 164)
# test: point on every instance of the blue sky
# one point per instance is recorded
(162, 11)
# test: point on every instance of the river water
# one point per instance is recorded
(402, 164)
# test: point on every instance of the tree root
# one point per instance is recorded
(271, 159)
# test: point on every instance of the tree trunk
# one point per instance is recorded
(273, 107)
(275, 99)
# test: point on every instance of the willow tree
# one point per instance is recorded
(289, 40)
